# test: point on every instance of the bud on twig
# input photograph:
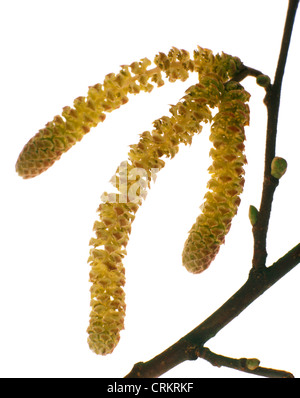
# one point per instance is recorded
(252, 363)
(253, 214)
(278, 167)
(263, 80)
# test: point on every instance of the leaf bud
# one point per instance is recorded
(263, 80)
(253, 213)
(278, 167)
(252, 363)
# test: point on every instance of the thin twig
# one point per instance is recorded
(272, 101)
(245, 72)
(246, 365)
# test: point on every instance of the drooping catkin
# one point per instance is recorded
(117, 210)
(226, 183)
(65, 130)
(59, 135)
(114, 227)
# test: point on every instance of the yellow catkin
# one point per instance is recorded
(65, 130)
(133, 177)
(59, 135)
(112, 231)
(226, 183)
(118, 212)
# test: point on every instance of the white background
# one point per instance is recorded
(51, 51)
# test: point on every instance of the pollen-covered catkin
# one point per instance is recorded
(132, 178)
(226, 183)
(118, 213)
(59, 135)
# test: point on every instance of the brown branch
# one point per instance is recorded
(186, 348)
(243, 364)
(260, 278)
(272, 102)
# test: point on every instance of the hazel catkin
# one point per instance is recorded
(132, 178)
(64, 131)
(226, 183)
(114, 227)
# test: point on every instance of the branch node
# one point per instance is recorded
(192, 353)
(136, 370)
